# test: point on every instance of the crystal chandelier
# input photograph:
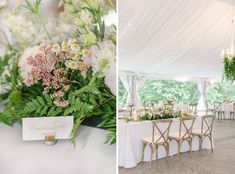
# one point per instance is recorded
(229, 53)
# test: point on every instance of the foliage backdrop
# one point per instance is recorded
(162, 90)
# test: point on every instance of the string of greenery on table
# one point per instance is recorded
(152, 116)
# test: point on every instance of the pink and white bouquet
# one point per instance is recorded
(61, 77)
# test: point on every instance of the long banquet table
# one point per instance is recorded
(130, 142)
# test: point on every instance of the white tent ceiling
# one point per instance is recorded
(182, 38)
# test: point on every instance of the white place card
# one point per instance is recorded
(37, 128)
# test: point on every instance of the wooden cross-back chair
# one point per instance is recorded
(184, 133)
(205, 131)
(159, 138)
(192, 108)
(209, 107)
(218, 110)
(232, 113)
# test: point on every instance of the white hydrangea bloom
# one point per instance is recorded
(104, 54)
(110, 77)
(22, 29)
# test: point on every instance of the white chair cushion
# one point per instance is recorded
(149, 139)
(176, 134)
(198, 131)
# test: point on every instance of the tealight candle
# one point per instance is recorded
(134, 116)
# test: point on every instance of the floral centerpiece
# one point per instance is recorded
(171, 100)
(61, 74)
(160, 113)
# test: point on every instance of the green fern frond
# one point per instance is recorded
(42, 106)
(13, 111)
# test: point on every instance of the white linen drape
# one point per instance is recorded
(127, 81)
(138, 81)
(203, 87)
(132, 83)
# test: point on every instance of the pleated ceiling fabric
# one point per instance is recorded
(182, 38)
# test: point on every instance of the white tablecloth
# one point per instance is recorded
(90, 156)
(130, 142)
(227, 107)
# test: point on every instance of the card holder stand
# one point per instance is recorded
(50, 140)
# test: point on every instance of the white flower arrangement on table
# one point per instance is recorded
(54, 73)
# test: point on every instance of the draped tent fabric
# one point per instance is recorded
(127, 81)
(132, 83)
(174, 37)
(138, 81)
(203, 87)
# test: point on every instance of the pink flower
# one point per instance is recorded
(31, 61)
(66, 87)
(55, 85)
(46, 79)
(46, 49)
(47, 69)
(39, 56)
(30, 82)
(58, 94)
(61, 57)
(42, 64)
(87, 62)
(36, 74)
(61, 103)
(39, 59)
(50, 62)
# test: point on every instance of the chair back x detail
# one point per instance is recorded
(217, 106)
(184, 128)
(233, 107)
(207, 124)
(161, 132)
(206, 130)
(218, 110)
(232, 113)
(159, 138)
